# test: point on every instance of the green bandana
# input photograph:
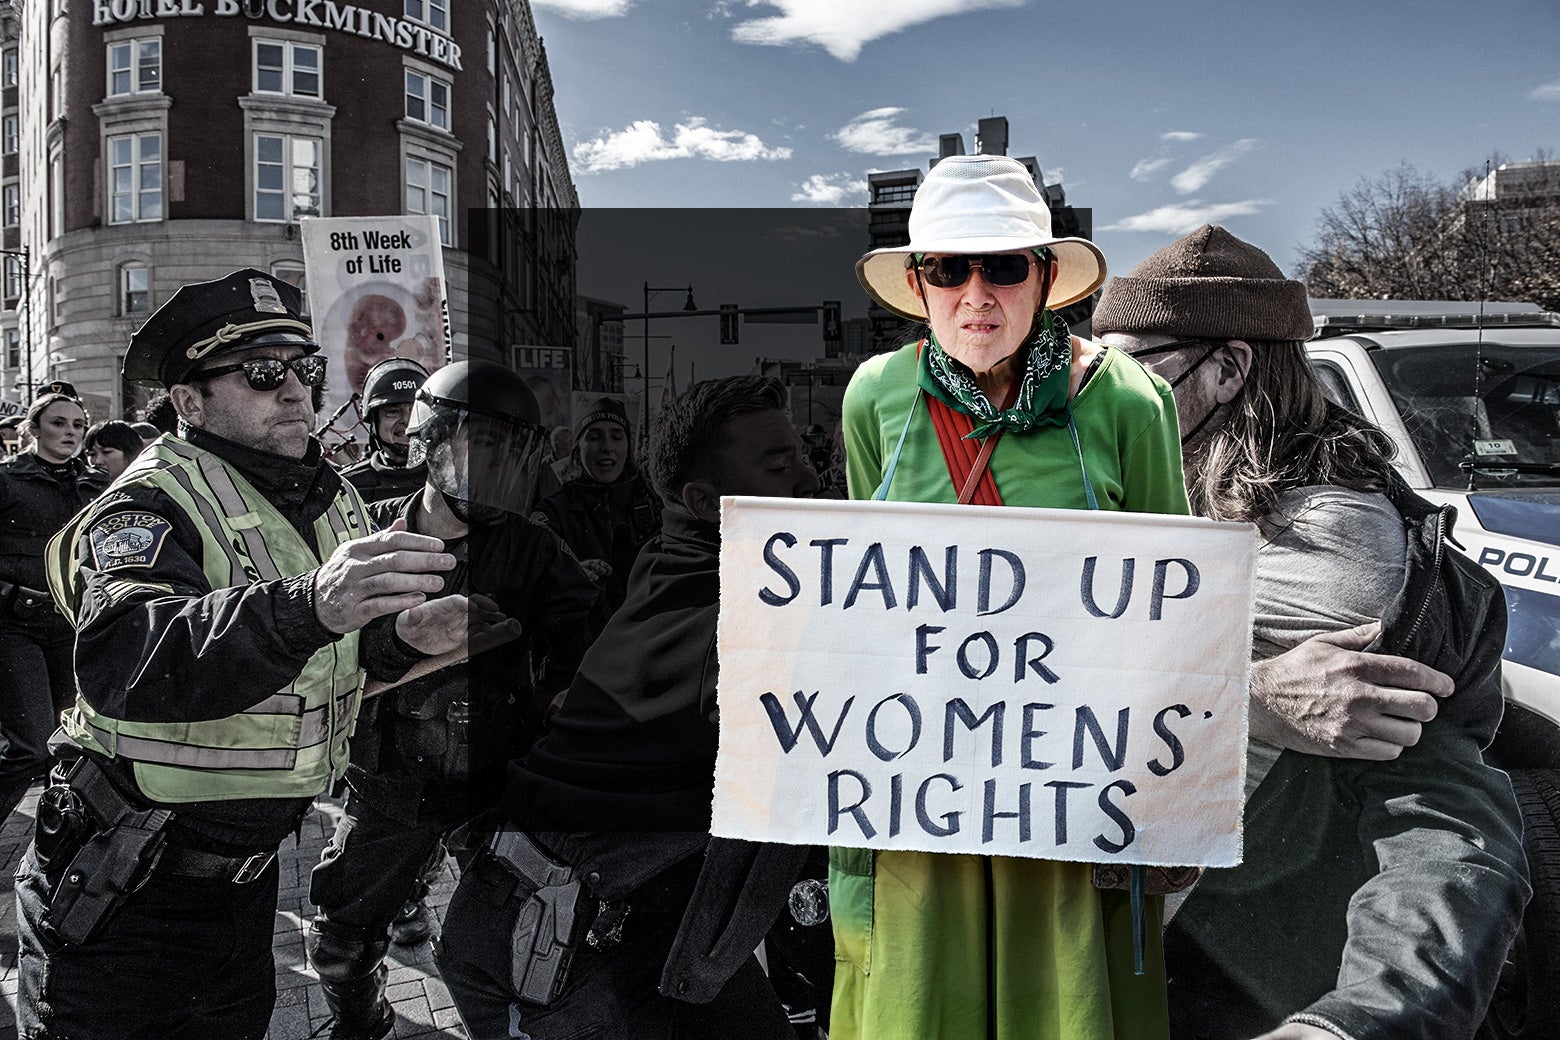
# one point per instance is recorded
(1042, 393)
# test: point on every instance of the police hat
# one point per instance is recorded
(245, 309)
(56, 386)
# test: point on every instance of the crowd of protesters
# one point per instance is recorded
(508, 655)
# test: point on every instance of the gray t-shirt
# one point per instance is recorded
(1333, 559)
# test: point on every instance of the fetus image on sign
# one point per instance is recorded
(373, 330)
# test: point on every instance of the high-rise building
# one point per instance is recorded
(150, 143)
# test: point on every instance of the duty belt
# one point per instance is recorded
(240, 870)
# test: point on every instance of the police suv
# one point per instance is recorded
(1471, 395)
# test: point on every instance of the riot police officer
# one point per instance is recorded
(224, 593)
(429, 754)
(388, 391)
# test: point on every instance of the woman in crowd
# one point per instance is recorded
(40, 490)
(112, 445)
(1000, 402)
(608, 511)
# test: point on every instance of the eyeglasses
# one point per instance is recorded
(1180, 344)
(950, 272)
(265, 374)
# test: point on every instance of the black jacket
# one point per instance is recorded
(36, 500)
(402, 750)
(622, 784)
(608, 522)
(1376, 899)
(378, 480)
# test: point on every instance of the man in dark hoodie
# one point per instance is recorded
(630, 919)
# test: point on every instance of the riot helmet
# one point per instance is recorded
(392, 381)
(478, 427)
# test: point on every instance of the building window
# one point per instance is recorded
(427, 100)
(135, 289)
(13, 349)
(9, 136)
(284, 67)
(135, 178)
(428, 191)
(8, 68)
(435, 14)
(13, 279)
(292, 272)
(135, 67)
(11, 204)
(287, 177)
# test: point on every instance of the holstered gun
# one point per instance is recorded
(544, 938)
(113, 862)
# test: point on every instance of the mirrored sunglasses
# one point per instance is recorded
(950, 272)
(270, 373)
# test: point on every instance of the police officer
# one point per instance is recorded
(429, 754)
(224, 592)
(388, 391)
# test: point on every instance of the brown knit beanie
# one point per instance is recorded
(1210, 285)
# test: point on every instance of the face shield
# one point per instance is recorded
(491, 464)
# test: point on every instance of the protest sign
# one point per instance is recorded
(376, 290)
(1048, 683)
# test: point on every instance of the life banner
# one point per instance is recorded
(1022, 682)
(376, 290)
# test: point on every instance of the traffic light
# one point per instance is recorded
(832, 334)
(728, 324)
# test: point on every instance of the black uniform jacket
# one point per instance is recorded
(401, 741)
(379, 480)
(157, 643)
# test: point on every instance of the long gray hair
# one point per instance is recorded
(1283, 433)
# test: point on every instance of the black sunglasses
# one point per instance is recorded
(1174, 345)
(950, 272)
(270, 373)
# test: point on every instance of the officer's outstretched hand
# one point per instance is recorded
(380, 574)
(1325, 697)
(462, 625)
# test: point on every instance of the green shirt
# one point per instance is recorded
(1126, 427)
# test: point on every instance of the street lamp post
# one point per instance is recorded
(689, 305)
(26, 295)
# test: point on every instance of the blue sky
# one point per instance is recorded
(1158, 115)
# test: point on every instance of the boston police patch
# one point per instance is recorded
(128, 539)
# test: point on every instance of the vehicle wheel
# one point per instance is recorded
(1527, 998)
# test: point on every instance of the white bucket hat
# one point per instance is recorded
(979, 204)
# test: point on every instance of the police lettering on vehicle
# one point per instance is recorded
(128, 539)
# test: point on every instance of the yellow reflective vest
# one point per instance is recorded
(289, 744)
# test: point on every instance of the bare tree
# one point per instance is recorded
(1403, 235)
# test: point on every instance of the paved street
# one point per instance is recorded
(422, 1004)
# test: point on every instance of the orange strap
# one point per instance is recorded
(968, 461)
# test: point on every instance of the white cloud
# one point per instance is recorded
(1201, 172)
(585, 9)
(1179, 135)
(1144, 169)
(644, 141)
(843, 27)
(1181, 218)
(876, 133)
(831, 189)
(1548, 92)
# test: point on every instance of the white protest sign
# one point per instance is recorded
(1049, 683)
(376, 290)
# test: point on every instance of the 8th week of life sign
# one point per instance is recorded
(1026, 682)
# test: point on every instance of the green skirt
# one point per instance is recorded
(965, 947)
